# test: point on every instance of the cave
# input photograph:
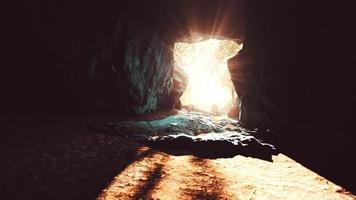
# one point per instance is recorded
(179, 99)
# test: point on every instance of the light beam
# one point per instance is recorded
(210, 87)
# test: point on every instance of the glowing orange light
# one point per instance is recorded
(210, 87)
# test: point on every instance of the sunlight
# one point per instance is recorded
(162, 176)
(210, 87)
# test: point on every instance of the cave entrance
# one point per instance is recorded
(208, 87)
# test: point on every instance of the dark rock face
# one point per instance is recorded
(211, 145)
(147, 73)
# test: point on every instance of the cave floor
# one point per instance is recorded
(58, 158)
(162, 176)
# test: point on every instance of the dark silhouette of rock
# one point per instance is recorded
(195, 133)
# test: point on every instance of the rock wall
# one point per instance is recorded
(147, 72)
(294, 74)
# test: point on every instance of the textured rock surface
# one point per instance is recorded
(147, 72)
(189, 123)
(198, 134)
(130, 71)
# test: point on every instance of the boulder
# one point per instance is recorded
(198, 134)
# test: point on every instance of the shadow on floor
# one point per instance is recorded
(152, 180)
(322, 152)
(212, 149)
(46, 158)
(213, 187)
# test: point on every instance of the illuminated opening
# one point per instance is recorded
(209, 87)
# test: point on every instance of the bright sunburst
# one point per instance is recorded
(210, 87)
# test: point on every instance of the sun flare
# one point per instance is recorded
(210, 87)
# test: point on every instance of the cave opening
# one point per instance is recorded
(208, 85)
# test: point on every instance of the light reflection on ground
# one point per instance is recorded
(162, 176)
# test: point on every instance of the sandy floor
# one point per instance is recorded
(62, 158)
(161, 176)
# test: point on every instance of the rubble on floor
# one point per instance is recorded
(196, 133)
